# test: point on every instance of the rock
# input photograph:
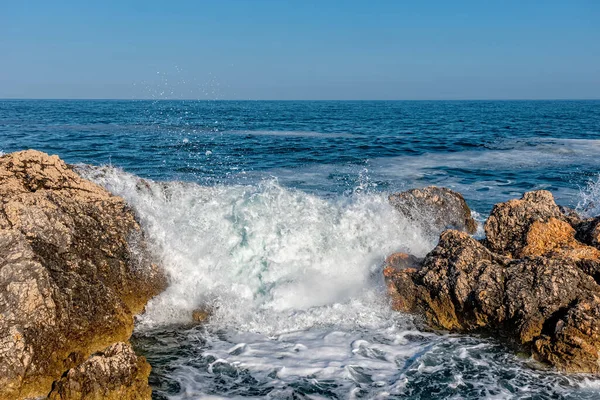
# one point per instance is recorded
(200, 315)
(509, 223)
(536, 226)
(457, 280)
(571, 215)
(73, 271)
(531, 281)
(115, 373)
(588, 231)
(435, 209)
(400, 261)
(395, 268)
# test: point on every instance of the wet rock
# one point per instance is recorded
(397, 265)
(458, 280)
(588, 231)
(400, 261)
(435, 209)
(571, 215)
(73, 271)
(201, 315)
(116, 373)
(531, 282)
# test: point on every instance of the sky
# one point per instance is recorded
(300, 50)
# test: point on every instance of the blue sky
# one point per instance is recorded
(305, 49)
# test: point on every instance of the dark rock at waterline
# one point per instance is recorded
(73, 272)
(435, 209)
(588, 231)
(530, 281)
(116, 373)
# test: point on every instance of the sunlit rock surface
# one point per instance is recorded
(73, 272)
(531, 281)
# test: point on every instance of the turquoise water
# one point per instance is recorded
(274, 214)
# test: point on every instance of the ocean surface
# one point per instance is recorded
(275, 216)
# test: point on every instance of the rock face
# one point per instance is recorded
(435, 209)
(73, 271)
(113, 374)
(530, 281)
(588, 231)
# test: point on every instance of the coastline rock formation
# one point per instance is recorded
(73, 272)
(532, 281)
(113, 374)
(435, 209)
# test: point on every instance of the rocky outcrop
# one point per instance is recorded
(113, 374)
(530, 281)
(73, 272)
(435, 209)
(512, 227)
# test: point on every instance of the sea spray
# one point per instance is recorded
(300, 311)
(266, 258)
(589, 198)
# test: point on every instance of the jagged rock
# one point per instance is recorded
(588, 231)
(435, 209)
(73, 271)
(571, 215)
(508, 226)
(116, 373)
(536, 226)
(531, 281)
(457, 281)
(395, 268)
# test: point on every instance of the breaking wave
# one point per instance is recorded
(299, 308)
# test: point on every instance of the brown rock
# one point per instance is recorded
(458, 280)
(201, 314)
(509, 223)
(435, 209)
(400, 261)
(397, 265)
(70, 282)
(116, 373)
(534, 284)
(464, 287)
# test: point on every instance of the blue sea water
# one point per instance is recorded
(274, 215)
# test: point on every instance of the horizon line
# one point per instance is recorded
(290, 100)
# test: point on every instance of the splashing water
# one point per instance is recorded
(589, 199)
(259, 254)
(299, 306)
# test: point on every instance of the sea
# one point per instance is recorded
(274, 216)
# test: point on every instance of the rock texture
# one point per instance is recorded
(435, 209)
(113, 374)
(73, 271)
(530, 281)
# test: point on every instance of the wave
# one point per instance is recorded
(295, 284)
(266, 258)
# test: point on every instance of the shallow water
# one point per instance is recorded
(275, 215)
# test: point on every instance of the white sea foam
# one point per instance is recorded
(265, 258)
(407, 171)
(589, 199)
(295, 284)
